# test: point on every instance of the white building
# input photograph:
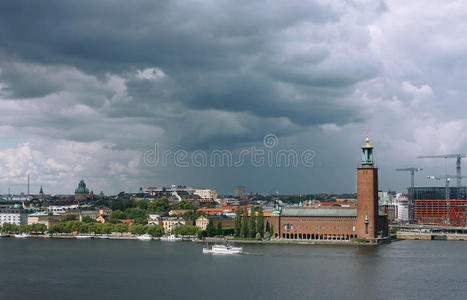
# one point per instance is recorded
(402, 203)
(16, 215)
(206, 193)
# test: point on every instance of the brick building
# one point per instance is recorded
(337, 223)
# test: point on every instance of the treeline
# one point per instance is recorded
(105, 228)
(13, 228)
(138, 210)
(251, 226)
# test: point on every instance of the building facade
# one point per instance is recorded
(338, 223)
(16, 215)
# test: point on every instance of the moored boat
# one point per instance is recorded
(170, 238)
(23, 235)
(83, 236)
(3, 235)
(144, 237)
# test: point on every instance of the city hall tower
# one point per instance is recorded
(367, 195)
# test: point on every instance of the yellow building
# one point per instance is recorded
(170, 223)
(178, 211)
(43, 218)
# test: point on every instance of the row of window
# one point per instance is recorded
(290, 227)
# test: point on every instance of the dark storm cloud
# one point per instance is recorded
(218, 55)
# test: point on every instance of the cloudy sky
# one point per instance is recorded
(92, 89)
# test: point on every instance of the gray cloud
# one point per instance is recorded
(119, 77)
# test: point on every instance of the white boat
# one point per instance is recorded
(23, 235)
(3, 235)
(170, 238)
(83, 236)
(144, 237)
(104, 236)
(223, 249)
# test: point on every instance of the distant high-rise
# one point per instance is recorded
(239, 192)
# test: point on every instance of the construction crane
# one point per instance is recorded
(412, 174)
(412, 185)
(458, 157)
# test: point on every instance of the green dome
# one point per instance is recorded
(82, 189)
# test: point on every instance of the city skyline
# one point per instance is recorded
(87, 95)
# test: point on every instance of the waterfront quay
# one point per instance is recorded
(430, 232)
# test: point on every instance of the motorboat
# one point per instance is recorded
(170, 238)
(104, 236)
(22, 235)
(144, 237)
(223, 249)
(4, 235)
(84, 236)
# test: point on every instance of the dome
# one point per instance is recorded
(82, 189)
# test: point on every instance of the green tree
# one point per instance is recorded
(107, 228)
(88, 219)
(7, 227)
(138, 229)
(122, 205)
(158, 205)
(238, 222)
(142, 221)
(120, 227)
(244, 230)
(155, 231)
(219, 228)
(252, 226)
(117, 215)
(185, 230)
(135, 212)
(260, 222)
(210, 230)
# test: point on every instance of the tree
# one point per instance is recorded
(158, 205)
(267, 226)
(258, 236)
(252, 226)
(135, 212)
(155, 230)
(267, 235)
(117, 215)
(138, 229)
(142, 221)
(185, 230)
(88, 219)
(244, 230)
(210, 230)
(122, 204)
(260, 222)
(219, 228)
(238, 222)
(120, 227)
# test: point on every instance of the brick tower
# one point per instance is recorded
(367, 195)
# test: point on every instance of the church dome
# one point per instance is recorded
(82, 189)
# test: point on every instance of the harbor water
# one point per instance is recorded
(132, 269)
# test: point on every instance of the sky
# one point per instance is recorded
(277, 96)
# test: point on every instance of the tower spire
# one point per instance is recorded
(367, 154)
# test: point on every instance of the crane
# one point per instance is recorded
(458, 157)
(412, 185)
(412, 174)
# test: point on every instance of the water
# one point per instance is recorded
(130, 269)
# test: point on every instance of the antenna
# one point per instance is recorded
(28, 184)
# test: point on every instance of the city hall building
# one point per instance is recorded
(337, 223)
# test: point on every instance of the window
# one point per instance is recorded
(324, 227)
(317, 228)
(338, 228)
(330, 228)
(353, 228)
(345, 228)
